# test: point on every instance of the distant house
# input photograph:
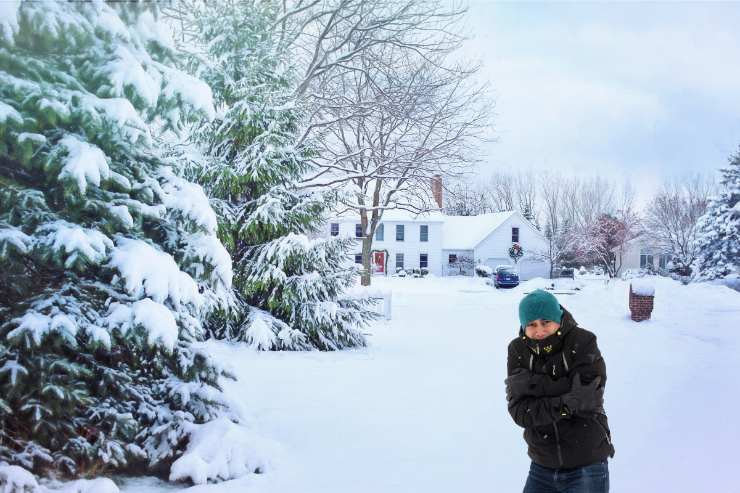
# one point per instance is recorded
(443, 243)
(486, 239)
(641, 253)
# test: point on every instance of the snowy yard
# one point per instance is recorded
(422, 409)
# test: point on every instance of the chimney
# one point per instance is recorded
(437, 190)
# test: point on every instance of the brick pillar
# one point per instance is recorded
(641, 307)
(437, 190)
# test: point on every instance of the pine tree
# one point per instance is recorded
(109, 259)
(289, 288)
(719, 228)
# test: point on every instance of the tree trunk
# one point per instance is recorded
(367, 245)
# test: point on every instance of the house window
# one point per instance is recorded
(663, 260)
(380, 232)
(646, 261)
(399, 232)
(399, 261)
(423, 232)
(423, 260)
(335, 229)
(358, 230)
(515, 235)
(452, 258)
(358, 258)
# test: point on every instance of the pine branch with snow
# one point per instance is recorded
(718, 242)
(110, 258)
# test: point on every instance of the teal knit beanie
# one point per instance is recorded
(541, 305)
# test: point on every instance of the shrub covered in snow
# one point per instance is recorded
(482, 270)
(221, 450)
(628, 274)
(14, 479)
(109, 258)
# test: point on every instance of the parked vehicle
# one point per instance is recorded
(506, 276)
(567, 272)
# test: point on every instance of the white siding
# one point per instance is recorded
(631, 254)
(411, 247)
(494, 249)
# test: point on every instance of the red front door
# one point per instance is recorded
(378, 261)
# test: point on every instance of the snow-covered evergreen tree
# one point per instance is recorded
(289, 288)
(719, 228)
(109, 259)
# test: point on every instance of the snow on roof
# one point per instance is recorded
(396, 215)
(465, 232)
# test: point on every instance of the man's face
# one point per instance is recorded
(540, 329)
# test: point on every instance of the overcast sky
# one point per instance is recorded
(642, 89)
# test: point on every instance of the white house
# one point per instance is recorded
(439, 242)
(402, 240)
(486, 239)
(641, 253)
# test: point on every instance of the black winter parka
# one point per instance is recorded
(555, 438)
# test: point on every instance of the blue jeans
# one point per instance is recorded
(593, 478)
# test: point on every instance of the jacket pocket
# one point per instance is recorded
(603, 427)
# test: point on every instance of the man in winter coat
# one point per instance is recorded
(555, 391)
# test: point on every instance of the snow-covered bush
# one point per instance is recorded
(482, 270)
(628, 274)
(14, 479)
(288, 289)
(109, 258)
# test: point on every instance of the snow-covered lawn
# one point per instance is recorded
(422, 409)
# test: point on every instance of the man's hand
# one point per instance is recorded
(583, 398)
(518, 383)
(523, 383)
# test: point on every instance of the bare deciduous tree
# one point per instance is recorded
(552, 191)
(387, 118)
(672, 217)
(501, 192)
(424, 121)
(525, 186)
(466, 197)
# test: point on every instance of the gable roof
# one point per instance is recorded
(466, 232)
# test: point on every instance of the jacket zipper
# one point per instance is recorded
(557, 442)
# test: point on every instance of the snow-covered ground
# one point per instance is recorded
(423, 408)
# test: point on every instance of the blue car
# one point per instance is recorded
(505, 277)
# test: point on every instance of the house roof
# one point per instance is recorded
(466, 232)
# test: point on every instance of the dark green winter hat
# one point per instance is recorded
(541, 305)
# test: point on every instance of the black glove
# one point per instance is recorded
(518, 383)
(523, 383)
(583, 398)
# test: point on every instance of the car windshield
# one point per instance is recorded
(505, 270)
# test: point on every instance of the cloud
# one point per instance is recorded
(639, 89)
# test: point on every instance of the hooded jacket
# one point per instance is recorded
(557, 439)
